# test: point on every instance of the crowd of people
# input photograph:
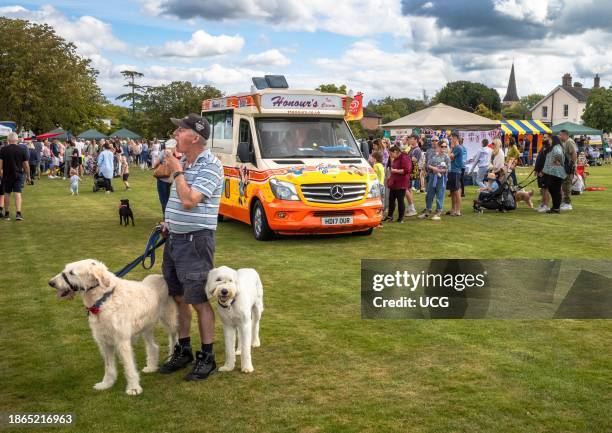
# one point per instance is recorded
(24, 162)
(433, 165)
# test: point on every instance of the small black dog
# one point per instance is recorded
(125, 212)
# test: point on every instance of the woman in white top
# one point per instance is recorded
(497, 156)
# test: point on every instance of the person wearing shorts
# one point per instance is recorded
(14, 171)
(454, 176)
(125, 171)
(190, 225)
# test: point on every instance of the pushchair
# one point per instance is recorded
(99, 182)
(501, 200)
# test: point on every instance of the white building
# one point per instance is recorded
(565, 103)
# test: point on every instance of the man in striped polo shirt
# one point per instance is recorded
(191, 221)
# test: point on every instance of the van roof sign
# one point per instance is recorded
(296, 102)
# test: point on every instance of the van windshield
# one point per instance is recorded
(305, 138)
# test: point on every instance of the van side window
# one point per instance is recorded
(221, 130)
(244, 133)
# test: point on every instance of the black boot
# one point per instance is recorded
(181, 358)
(203, 367)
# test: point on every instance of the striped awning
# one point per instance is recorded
(522, 127)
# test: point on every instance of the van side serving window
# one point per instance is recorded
(244, 133)
(221, 131)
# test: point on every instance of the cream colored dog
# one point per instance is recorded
(240, 298)
(525, 196)
(118, 311)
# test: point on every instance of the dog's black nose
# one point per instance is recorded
(224, 292)
(51, 283)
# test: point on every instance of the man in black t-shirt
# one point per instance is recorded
(14, 171)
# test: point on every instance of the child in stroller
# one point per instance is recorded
(498, 194)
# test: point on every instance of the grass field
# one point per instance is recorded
(321, 368)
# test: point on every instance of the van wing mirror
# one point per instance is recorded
(245, 154)
(365, 149)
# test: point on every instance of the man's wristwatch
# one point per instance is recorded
(177, 174)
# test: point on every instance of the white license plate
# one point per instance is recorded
(337, 221)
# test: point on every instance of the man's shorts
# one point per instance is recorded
(10, 185)
(126, 176)
(542, 181)
(454, 181)
(187, 260)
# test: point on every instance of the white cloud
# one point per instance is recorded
(529, 10)
(200, 45)
(399, 74)
(89, 34)
(346, 17)
(267, 58)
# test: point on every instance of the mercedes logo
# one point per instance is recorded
(336, 192)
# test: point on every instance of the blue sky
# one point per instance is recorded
(381, 47)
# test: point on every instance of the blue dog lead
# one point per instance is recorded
(153, 243)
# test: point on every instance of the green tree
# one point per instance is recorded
(466, 95)
(598, 111)
(484, 111)
(177, 99)
(332, 88)
(357, 128)
(119, 116)
(135, 93)
(44, 82)
(530, 101)
(516, 111)
(394, 108)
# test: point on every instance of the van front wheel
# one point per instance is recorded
(261, 229)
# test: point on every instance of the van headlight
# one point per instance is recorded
(283, 190)
(374, 190)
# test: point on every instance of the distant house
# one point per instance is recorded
(565, 103)
(371, 121)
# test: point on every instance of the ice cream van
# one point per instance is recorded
(291, 163)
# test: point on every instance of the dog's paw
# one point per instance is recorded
(150, 369)
(238, 352)
(101, 386)
(256, 343)
(134, 390)
(226, 368)
(248, 369)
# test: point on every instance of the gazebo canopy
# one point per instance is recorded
(442, 116)
(5, 130)
(59, 133)
(91, 134)
(124, 133)
(575, 129)
(522, 127)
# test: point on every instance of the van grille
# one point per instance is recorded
(334, 192)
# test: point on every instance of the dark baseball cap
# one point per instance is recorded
(195, 122)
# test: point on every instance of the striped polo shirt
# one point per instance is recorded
(205, 175)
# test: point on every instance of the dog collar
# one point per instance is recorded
(95, 308)
(226, 306)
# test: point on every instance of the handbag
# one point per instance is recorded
(162, 171)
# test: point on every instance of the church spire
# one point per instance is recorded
(511, 94)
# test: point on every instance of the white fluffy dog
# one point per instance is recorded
(240, 298)
(119, 310)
